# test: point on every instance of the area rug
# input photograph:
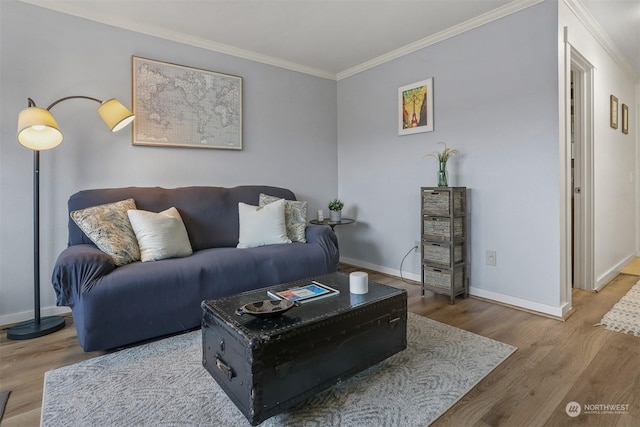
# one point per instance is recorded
(164, 383)
(625, 315)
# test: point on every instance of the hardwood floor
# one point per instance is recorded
(556, 362)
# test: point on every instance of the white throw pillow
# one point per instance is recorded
(295, 216)
(261, 226)
(160, 235)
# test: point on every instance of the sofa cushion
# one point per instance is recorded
(295, 216)
(160, 235)
(143, 300)
(109, 229)
(260, 226)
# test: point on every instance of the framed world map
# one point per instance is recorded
(179, 106)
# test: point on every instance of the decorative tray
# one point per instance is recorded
(267, 308)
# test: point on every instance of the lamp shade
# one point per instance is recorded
(37, 129)
(115, 115)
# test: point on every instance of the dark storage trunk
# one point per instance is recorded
(266, 365)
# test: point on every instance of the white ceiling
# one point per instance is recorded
(330, 38)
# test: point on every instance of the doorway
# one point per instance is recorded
(581, 164)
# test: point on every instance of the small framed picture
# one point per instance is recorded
(415, 107)
(625, 119)
(613, 120)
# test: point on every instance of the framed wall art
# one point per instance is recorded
(179, 106)
(415, 107)
(625, 119)
(613, 119)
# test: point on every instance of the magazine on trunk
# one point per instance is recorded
(310, 292)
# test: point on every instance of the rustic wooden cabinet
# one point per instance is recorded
(444, 241)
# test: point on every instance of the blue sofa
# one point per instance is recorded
(116, 306)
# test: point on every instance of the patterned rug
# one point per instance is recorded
(164, 383)
(625, 315)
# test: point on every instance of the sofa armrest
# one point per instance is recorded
(75, 269)
(326, 238)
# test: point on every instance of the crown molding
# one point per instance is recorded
(586, 18)
(178, 37)
(501, 12)
(508, 9)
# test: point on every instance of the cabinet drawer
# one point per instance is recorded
(445, 279)
(440, 253)
(437, 201)
(439, 228)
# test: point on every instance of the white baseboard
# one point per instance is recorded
(610, 274)
(550, 310)
(23, 316)
(381, 269)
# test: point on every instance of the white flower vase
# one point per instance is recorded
(335, 216)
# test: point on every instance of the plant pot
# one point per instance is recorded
(335, 216)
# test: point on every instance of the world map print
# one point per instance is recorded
(176, 105)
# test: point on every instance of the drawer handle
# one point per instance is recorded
(224, 368)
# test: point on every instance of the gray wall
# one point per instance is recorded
(496, 101)
(289, 133)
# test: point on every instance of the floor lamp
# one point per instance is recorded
(38, 130)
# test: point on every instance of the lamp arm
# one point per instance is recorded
(68, 97)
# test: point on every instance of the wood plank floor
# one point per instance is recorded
(556, 362)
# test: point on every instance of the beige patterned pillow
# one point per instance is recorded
(160, 235)
(108, 226)
(295, 216)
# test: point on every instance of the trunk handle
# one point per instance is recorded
(224, 368)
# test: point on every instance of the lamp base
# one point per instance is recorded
(29, 329)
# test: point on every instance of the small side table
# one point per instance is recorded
(332, 224)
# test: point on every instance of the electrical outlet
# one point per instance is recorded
(491, 258)
(417, 246)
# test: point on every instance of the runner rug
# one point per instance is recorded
(164, 383)
(625, 315)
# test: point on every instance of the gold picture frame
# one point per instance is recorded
(180, 106)
(625, 119)
(613, 119)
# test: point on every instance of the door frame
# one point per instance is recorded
(583, 221)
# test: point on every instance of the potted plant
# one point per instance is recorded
(335, 210)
